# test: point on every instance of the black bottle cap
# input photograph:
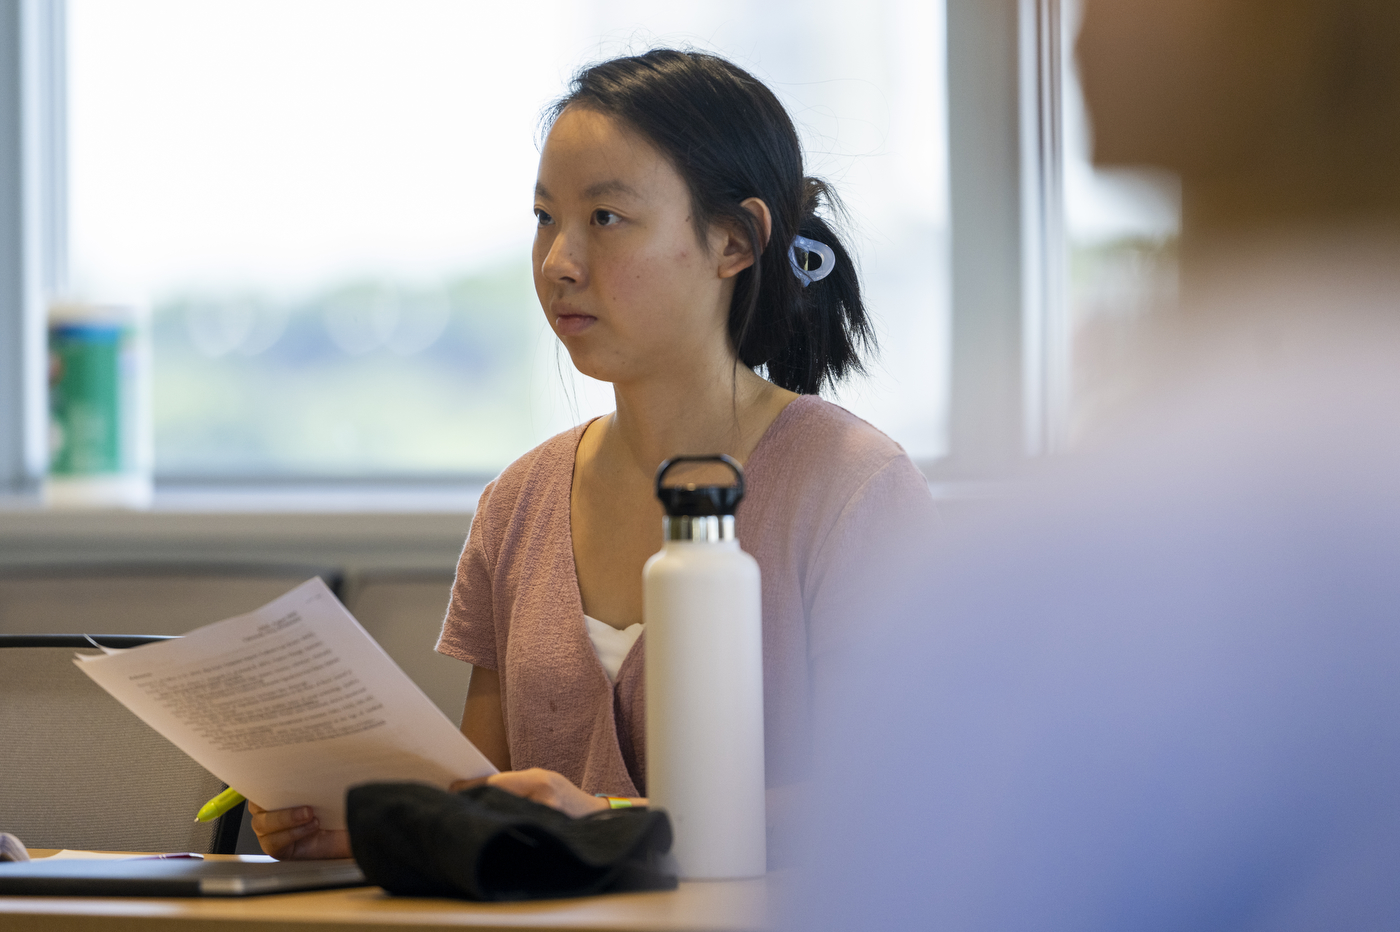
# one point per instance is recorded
(695, 500)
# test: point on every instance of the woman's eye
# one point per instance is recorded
(604, 218)
(543, 218)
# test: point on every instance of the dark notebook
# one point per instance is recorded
(173, 877)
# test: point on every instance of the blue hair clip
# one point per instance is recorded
(809, 246)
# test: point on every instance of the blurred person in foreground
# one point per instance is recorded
(1161, 688)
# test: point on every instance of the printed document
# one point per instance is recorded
(290, 705)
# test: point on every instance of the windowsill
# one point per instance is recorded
(271, 498)
(411, 527)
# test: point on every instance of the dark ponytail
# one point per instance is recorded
(730, 139)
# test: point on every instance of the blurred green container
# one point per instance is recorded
(98, 424)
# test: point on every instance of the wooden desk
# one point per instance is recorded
(726, 906)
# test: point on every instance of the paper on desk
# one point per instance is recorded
(290, 705)
(71, 855)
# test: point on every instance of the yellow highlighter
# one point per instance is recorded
(219, 805)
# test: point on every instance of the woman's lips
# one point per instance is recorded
(573, 324)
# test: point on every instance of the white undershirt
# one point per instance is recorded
(610, 644)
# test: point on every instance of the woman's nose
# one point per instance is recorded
(562, 261)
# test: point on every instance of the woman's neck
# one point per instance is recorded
(722, 411)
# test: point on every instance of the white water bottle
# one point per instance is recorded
(704, 681)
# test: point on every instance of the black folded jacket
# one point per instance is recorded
(487, 844)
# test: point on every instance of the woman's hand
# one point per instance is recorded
(296, 834)
(542, 786)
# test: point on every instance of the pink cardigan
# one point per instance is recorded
(822, 486)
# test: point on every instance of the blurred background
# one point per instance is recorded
(325, 207)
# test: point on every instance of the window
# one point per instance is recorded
(325, 206)
(1121, 227)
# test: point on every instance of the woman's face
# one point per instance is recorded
(622, 277)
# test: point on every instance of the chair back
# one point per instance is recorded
(150, 598)
(403, 611)
(81, 771)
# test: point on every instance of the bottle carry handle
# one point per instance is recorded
(729, 461)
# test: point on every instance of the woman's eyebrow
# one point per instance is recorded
(610, 187)
(600, 189)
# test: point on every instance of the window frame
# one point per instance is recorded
(1009, 345)
(33, 236)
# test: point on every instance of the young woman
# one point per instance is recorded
(676, 254)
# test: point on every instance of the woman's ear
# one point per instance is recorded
(735, 253)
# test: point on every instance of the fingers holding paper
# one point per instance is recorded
(295, 834)
(542, 786)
